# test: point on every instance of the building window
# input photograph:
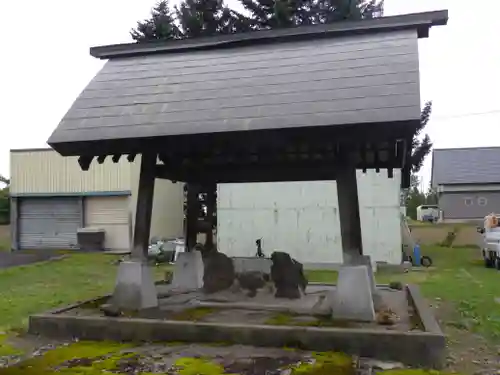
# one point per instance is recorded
(468, 201)
(482, 201)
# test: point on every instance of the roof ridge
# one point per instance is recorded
(421, 22)
(466, 148)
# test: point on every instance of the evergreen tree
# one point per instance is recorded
(328, 11)
(195, 18)
(271, 14)
(198, 18)
(161, 25)
(4, 201)
(421, 147)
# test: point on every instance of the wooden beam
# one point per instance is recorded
(350, 224)
(84, 162)
(211, 191)
(192, 214)
(300, 170)
(144, 208)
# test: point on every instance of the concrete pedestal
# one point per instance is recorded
(188, 271)
(353, 298)
(135, 288)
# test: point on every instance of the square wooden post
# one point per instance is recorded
(211, 190)
(145, 195)
(350, 224)
(192, 214)
(135, 288)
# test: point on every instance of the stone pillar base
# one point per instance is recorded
(188, 271)
(135, 288)
(353, 299)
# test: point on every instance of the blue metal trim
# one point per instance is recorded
(75, 194)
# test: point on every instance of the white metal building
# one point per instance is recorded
(51, 198)
(302, 219)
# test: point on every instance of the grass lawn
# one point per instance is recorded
(34, 288)
(458, 278)
(463, 293)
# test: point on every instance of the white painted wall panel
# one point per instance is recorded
(302, 218)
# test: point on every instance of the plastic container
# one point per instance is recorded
(416, 255)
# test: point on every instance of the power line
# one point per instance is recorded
(463, 115)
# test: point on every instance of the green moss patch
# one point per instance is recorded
(326, 363)
(6, 349)
(83, 358)
(198, 366)
(282, 319)
(194, 314)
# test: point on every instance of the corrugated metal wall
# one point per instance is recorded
(45, 171)
(49, 223)
(302, 219)
(111, 214)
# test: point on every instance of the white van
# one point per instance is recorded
(428, 212)
(490, 247)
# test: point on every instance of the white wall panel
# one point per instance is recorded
(302, 218)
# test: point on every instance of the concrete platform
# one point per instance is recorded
(190, 316)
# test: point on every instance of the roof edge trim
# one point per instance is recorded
(422, 22)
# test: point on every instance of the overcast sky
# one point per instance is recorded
(45, 64)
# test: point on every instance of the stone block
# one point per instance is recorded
(353, 297)
(252, 264)
(365, 260)
(188, 271)
(135, 288)
(218, 272)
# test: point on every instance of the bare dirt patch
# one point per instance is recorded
(468, 353)
(466, 235)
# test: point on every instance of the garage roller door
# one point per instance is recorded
(112, 215)
(49, 223)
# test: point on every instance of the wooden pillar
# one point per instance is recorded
(350, 225)
(192, 214)
(211, 190)
(144, 209)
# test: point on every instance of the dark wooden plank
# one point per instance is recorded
(192, 214)
(144, 206)
(350, 224)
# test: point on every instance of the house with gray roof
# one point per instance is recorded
(467, 181)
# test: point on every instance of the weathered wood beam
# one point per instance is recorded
(211, 202)
(144, 209)
(348, 202)
(192, 213)
(406, 162)
(247, 174)
(84, 162)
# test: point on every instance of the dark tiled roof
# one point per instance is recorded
(333, 78)
(479, 165)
